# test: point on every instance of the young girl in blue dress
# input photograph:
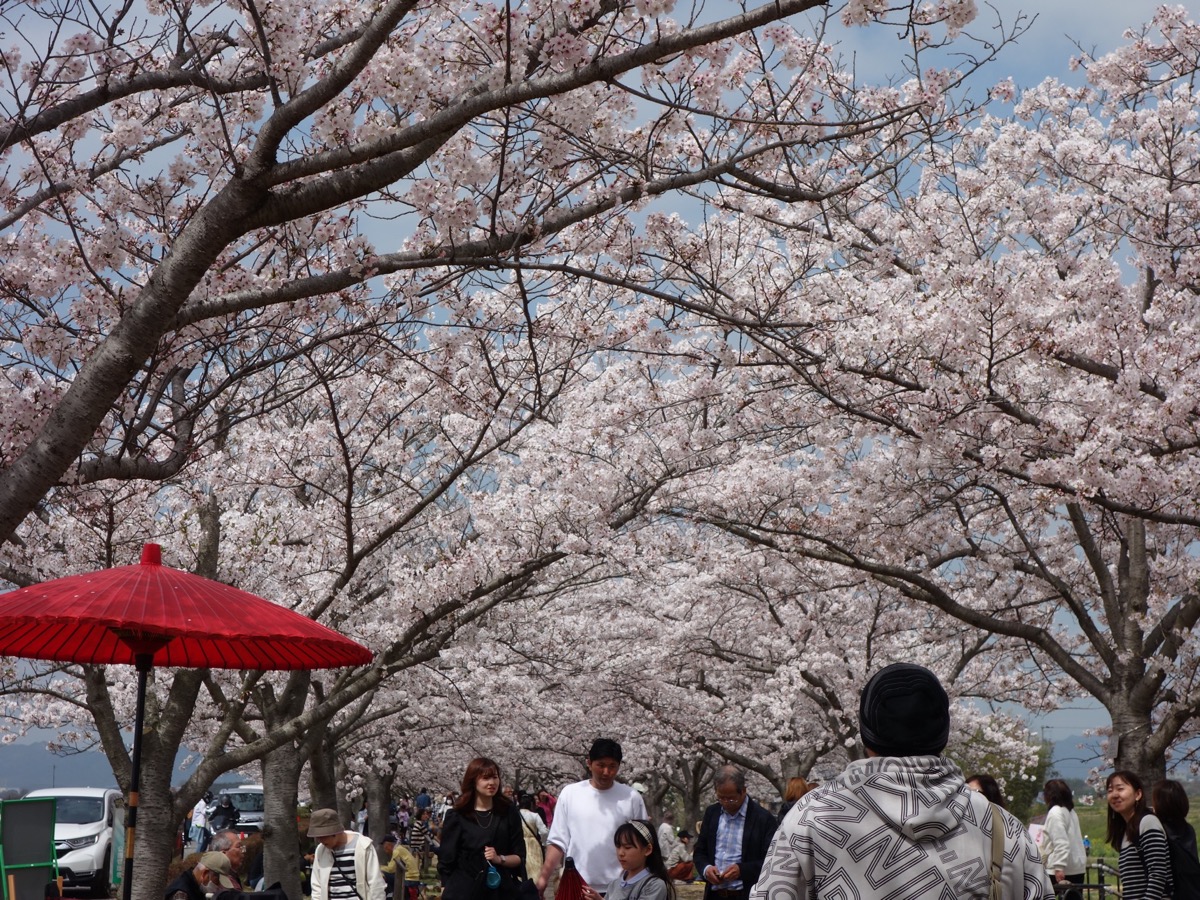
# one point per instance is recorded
(643, 870)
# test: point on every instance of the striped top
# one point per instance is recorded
(419, 836)
(1146, 866)
(342, 885)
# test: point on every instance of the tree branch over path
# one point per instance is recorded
(266, 191)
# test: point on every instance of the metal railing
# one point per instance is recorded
(1100, 881)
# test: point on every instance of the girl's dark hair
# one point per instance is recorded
(990, 788)
(629, 833)
(1058, 793)
(1118, 828)
(478, 768)
(1171, 803)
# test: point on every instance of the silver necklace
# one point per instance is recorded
(479, 814)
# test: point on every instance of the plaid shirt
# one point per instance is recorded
(729, 842)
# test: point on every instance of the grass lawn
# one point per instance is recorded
(1093, 822)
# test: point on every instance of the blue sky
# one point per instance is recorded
(1045, 50)
(1056, 34)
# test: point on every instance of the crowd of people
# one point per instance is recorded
(902, 824)
(1155, 844)
(216, 869)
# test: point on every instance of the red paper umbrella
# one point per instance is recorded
(571, 884)
(152, 615)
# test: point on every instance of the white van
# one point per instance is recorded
(83, 834)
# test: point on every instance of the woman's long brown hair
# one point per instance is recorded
(477, 768)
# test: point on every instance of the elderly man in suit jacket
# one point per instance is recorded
(734, 838)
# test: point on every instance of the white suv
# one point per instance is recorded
(83, 834)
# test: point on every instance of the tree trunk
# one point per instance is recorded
(345, 808)
(698, 775)
(160, 813)
(1132, 747)
(282, 851)
(653, 798)
(518, 784)
(322, 775)
(797, 765)
(158, 822)
(379, 801)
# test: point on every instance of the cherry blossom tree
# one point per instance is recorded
(984, 375)
(183, 176)
(310, 288)
(371, 502)
(692, 647)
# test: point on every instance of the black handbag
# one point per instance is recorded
(526, 887)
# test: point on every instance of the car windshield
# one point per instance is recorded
(248, 802)
(78, 810)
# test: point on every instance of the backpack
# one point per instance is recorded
(1185, 868)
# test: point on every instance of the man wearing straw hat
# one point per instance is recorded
(345, 866)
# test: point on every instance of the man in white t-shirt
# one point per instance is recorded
(586, 818)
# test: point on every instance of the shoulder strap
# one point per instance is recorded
(997, 851)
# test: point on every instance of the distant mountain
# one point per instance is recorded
(28, 766)
(1075, 755)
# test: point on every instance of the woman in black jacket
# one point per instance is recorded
(481, 834)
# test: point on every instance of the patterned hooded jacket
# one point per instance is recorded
(898, 828)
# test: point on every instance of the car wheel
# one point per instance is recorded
(100, 885)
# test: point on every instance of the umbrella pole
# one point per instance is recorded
(142, 661)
